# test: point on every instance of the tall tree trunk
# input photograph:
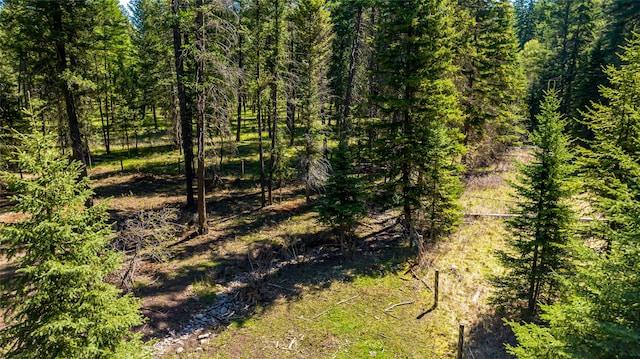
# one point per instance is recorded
(259, 109)
(260, 148)
(355, 46)
(274, 121)
(155, 116)
(187, 135)
(291, 105)
(274, 99)
(240, 94)
(79, 152)
(201, 94)
(533, 280)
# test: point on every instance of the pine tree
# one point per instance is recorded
(10, 114)
(350, 48)
(342, 205)
(151, 39)
(598, 316)
(186, 123)
(525, 20)
(541, 232)
(491, 84)
(615, 130)
(569, 32)
(50, 38)
(57, 303)
(312, 37)
(275, 69)
(618, 20)
(418, 138)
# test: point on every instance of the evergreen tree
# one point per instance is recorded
(178, 9)
(51, 38)
(568, 30)
(312, 37)
(275, 69)
(418, 138)
(151, 38)
(342, 205)
(256, 16)
(598, 315)
(57, 303)
(541, 232)
(615, 128)
(350, 48)
(491, 84)
(525, 20)
(616, 21)
(10, 115)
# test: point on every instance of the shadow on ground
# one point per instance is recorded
(266, 272)
(488, 336)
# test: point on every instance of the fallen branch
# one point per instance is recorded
(321, 314)
(346, 300)
(399, 304)
(328, 310)
(513, 215)
(391, 315)
(415, 275)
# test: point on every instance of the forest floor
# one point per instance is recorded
(272, 283)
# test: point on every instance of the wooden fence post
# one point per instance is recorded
(461, 342)
(436, 287)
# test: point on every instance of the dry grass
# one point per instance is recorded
(345, 316)
(308, 302)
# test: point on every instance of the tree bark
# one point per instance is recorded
(186, 126)
(201, 100)
(291, 105)
(239, 119)
(355, 45)
(259, 110)
(78, 149)
(274, 100)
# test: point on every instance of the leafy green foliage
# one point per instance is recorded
(58, 305)
(542, 230)
(342, 205)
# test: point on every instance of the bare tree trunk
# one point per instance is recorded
(261, 150)
(259, 111)
(201, 95)
(155, 117)
(187, 136)
(78, 149)
(533, 281)
(240, 94)
(291, 105)
(274, 100)
(355, 45)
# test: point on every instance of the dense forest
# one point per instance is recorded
(349, 109)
